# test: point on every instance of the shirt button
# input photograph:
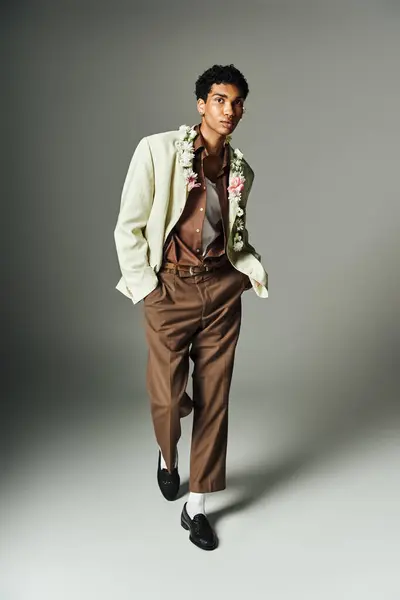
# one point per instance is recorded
(202, 209)
(197, 230)
(198, 250)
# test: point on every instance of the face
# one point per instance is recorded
(223, 109)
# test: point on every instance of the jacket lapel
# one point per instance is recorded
(227, 208)
(224, 203)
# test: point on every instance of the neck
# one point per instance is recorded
(214, 142)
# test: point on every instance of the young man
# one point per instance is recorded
(183, 249)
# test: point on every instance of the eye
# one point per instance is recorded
(220, 100)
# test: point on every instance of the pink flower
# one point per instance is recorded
(236, 185)
(191, 181)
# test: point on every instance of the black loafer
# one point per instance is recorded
(201, 532)
(168, 482)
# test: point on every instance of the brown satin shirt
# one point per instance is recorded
(184, 243)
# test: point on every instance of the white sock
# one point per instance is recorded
(195, 504)
(164, 464)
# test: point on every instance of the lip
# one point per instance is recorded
(228, 124)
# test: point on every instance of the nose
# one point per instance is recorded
(228, 110)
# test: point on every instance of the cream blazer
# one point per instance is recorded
(153, 198)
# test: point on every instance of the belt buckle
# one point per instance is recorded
(190, 271)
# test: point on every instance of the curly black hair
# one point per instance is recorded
(220, 74)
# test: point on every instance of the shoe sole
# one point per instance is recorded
(186, 526)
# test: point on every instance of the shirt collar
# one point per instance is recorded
(199, 145)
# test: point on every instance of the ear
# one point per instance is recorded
(201, 106)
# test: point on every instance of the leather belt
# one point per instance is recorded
(191, 270)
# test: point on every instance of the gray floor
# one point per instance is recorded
(82, 517)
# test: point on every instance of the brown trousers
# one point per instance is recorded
(195, 317)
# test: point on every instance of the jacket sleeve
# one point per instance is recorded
(131, 244)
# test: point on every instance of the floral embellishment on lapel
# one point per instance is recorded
(235, 189)
(239, 224)
(186, 155)
(185, 148)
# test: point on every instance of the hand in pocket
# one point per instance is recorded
(150, 294)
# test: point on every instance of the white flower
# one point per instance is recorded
(186, 145)
(186, 159)
(237, 242)
(239, 224)
(238, 153)
(190, 174)
(239, 211)
(186, 154)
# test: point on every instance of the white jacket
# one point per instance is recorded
(153, 197)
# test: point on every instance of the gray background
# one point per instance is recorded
(311, 508)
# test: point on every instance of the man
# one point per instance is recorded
(183, 249)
